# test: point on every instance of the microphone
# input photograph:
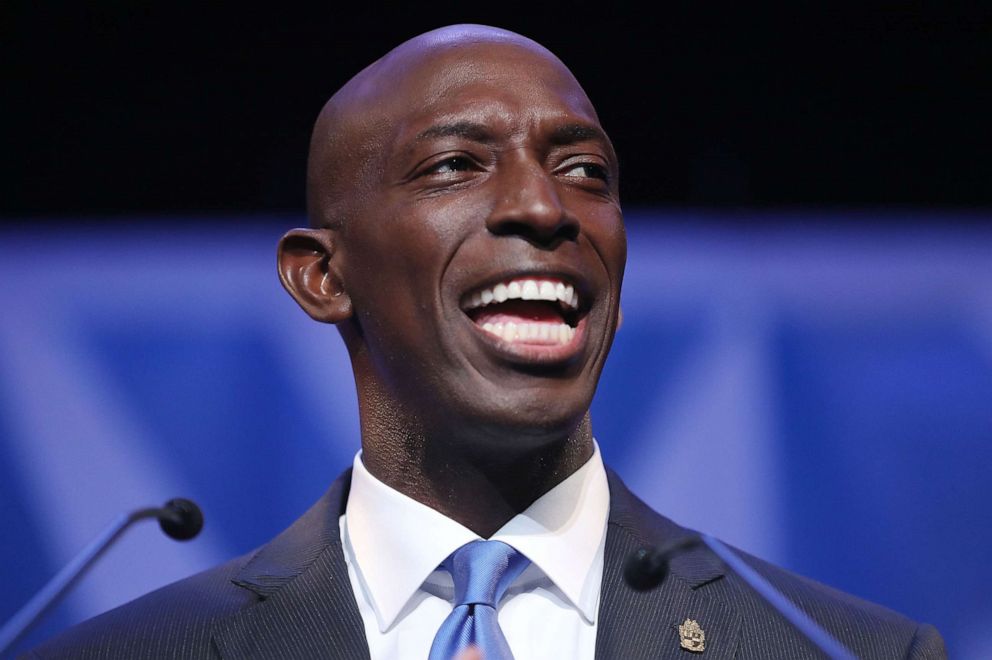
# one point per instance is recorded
(647, 567)
(179, 518)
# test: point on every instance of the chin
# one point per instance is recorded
(522, 422)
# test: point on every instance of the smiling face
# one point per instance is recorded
(478, 241)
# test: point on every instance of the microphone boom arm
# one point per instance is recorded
(176, 513)
(646, 568)
(809, 628)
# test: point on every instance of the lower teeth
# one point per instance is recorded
(550, 333)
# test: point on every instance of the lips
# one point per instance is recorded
(527, 312)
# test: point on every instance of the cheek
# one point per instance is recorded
(393, 274)
(445, 220)
(422, 233)
(605, 230)
(618, 241)
(394, 251)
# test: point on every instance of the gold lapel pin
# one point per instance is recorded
(692, 636)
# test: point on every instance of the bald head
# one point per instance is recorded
(465, 157)
(358, 123)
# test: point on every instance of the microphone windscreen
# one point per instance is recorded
(185, 520)
(645, 569)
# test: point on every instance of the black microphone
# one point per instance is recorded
(647, 567)
(180, 519)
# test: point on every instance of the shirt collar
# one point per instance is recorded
(563, 533)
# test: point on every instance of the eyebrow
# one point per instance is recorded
(470, 130)
(572, 133)
(464, 129)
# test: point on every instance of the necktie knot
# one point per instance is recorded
(483, 570)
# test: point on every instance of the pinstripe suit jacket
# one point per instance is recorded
(293, 599)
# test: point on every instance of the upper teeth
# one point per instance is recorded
(526, 289)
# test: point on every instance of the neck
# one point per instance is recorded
(480, 484)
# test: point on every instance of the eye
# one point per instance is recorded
(450, 165)
(587, 171)
(445, 172)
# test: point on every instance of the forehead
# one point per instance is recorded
(493, 84)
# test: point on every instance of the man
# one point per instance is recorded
(467, 241)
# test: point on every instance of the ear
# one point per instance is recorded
(307, 269)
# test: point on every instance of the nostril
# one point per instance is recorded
(568, 231)
(541, 235)
(512, 227)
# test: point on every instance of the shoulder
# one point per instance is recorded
(868, 629)
(172, 621)
(183, 619)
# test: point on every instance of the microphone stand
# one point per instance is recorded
(647, 568)
(180, 519)
(800, 621)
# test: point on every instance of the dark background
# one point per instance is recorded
(118, 108)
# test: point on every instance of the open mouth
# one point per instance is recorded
(542, 311)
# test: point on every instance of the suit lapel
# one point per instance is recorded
(307, 607)
(636, 625)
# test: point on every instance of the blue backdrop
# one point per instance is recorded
(816, 393)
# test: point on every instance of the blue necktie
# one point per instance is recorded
(482, 571)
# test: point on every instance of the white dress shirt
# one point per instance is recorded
(394, 545)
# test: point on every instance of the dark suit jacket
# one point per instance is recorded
(293, 599)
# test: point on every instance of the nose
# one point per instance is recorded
(528, 205)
